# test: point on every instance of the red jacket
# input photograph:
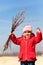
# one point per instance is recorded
(27, 46)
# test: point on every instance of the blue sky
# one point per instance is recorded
(34, 17)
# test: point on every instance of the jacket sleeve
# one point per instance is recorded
(38, 37)
(15, 40)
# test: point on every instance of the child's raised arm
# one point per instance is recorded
(15, 40)
(38, 37)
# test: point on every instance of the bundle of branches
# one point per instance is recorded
(15, 23)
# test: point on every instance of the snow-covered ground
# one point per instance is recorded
(12, 60)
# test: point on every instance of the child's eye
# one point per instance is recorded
(27, 32)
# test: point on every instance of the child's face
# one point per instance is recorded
(27, 33)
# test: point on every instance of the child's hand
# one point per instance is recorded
(38, 29)
(10, 33)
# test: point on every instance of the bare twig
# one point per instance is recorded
(15, 23)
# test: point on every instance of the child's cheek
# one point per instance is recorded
(24, 34)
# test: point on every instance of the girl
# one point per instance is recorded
(27, 43)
